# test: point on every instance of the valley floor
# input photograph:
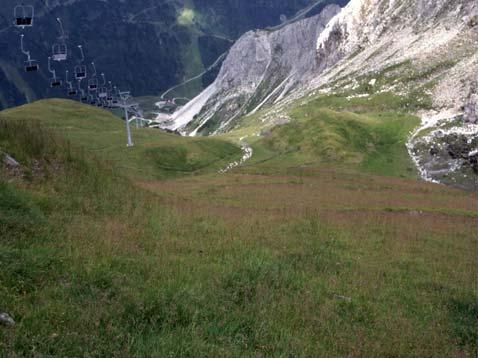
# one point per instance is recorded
(152, 252)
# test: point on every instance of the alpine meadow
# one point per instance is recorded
(203, 178)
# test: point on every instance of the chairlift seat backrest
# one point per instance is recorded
(60, 52)
(80, 72)
(23, 15)
(103, 92)
(93, 84)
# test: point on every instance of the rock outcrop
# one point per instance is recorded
(261, 68)
(435, 37)
(429, 46)
(470, 113)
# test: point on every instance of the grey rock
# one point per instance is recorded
(350, 35)
(343, 298)
(10, 161)
(6, 320)
(262, 67)
(470, 114)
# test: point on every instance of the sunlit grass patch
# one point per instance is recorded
(186, 17)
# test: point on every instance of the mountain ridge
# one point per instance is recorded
(425, 50)
(146, 47)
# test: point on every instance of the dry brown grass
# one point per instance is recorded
(343, 198)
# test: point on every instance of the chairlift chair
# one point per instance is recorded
(54, 81)
(59, 52)
(103, 90)
(80, 72)
(93, 81)
(23, 16)
(93, 84)
(109, 92)
(31, 66)
(70, 90)
(103, 93)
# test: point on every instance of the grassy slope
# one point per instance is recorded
(155, 155)
(364, 134)
(309, 262)
(375, 143)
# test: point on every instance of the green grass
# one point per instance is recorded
(155, 155)
(230, 265)
(374, 142)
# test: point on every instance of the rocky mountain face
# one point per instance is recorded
(471, 105)
(426, 49)
(262, 67)
(146, 46)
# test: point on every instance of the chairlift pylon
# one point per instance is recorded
(31, 66)
(23, 15)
